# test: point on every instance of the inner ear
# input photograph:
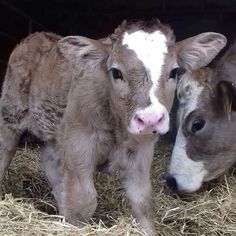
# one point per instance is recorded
(226, 94)
(81, 50)
(200, 50)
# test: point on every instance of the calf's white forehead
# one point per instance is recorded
(191, 98)
(150, 49)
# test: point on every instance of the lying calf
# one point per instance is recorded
(205, 144)
(96, 100)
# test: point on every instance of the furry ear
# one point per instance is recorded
(198, 51)
(226, 96)
(82, 51)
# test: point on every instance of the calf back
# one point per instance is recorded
(36, 85)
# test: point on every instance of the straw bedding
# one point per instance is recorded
(29, 208)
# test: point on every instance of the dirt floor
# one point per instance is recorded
(29, 208)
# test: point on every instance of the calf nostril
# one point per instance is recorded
(172, 183)
(161, 119)
(139, 120)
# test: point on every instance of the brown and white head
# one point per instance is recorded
(205, 143)
(141, 64)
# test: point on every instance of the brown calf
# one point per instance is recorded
(205, 144)
(95, 101)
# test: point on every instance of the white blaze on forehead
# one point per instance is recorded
(150, 49)
(191, 97)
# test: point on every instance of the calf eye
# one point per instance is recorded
(197, 125)
(176, 73)
(116, 74)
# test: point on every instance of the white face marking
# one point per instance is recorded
(189, 174)
(150, 49)
(191, 97)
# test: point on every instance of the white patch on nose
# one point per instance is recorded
(151, 49)
(188, 174)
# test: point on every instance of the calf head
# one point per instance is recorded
(205, 142)
(141, 64)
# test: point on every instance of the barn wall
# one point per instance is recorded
(97, 18)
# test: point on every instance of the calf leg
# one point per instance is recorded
(13, 110)
(72, 187)
(53, 171)
(137, 183)
(80, 157)
(8, 143)
(80, 195)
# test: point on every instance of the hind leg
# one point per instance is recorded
(12, 117)
(8, 143)
(14, 109)
(52, 169)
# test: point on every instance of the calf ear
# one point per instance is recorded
(226, 97)
(200, 50)
(81, 50)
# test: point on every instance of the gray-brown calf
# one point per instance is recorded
(95, 101)
(205, 144)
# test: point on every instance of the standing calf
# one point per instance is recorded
(93, 101)
(205, 145)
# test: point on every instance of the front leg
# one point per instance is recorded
(80, 154)
(72, 183)
(80, 200)
(136, 180)
(80, 196)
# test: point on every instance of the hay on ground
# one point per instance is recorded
(30, 208)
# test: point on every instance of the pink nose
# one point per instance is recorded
(149, 122)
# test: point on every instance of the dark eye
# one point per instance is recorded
(116, 74)
(176, 73)
(197, 125)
